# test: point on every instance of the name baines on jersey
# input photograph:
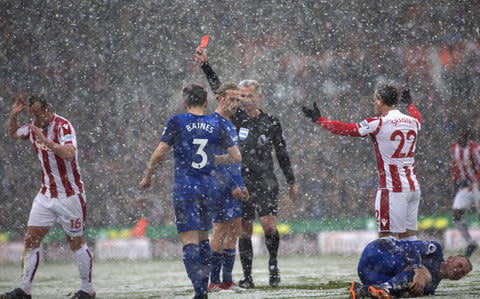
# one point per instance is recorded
(194, 139)
(60, 178)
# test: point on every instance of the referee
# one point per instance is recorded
(259, 133)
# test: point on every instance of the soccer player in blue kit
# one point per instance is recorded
(194, 138)
(391, 268)
(231, 191)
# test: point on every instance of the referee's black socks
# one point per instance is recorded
(272, 242)
(245, 249)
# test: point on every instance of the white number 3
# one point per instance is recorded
(202, 143)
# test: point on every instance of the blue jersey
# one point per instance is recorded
(393, 261)
(194, 139)
(228, 176)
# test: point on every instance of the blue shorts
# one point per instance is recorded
(227, 207)
(194, 206)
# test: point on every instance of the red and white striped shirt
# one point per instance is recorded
(394, 137)
(466, 162)
(60, 178)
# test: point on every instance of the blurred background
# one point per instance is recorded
(115, 70)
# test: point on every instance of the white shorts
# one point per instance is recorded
(396, 212)
(465, 197)
(70, 212)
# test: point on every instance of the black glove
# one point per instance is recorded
(406, 98)
(314, 113)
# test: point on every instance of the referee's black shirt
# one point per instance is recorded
(258, 137)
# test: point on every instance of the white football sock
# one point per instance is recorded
(462, 227)
(30, 261)
(84, 259)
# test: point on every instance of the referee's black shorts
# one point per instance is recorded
(263, 198)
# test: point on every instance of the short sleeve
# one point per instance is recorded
(225, 139)
(171, 132)
(23, 132)
(369, 126)
(67, 135)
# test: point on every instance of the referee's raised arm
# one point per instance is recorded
(212, 78)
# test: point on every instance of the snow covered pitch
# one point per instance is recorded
(325, 276)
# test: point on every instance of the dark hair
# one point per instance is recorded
(38, 98)
(464, 133)
(194, 95)
(222, 90)
(464, 129)
(388, 94)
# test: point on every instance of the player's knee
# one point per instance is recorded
(269, 230)
(31, 241)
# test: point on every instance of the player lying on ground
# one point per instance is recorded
(399, 268)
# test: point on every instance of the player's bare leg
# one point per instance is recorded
(220, 230)
(229, 252)
(272, 241)
(388, 234)
(409, 235)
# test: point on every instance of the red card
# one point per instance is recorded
(204, 42)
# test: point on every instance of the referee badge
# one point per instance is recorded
(243, 133)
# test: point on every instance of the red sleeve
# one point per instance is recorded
(339, 128)
(413, 112)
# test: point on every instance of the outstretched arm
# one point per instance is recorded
(212, 77)
(336, 127)
(339, 128)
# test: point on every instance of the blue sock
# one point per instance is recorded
(216, 267)
(206, 255)
(193, 265)
(228, 261)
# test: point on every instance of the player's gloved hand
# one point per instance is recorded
(405, 97)
(313, 114)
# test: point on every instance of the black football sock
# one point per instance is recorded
(272, 242)
(246, 255)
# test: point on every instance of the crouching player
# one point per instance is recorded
(390, 268)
